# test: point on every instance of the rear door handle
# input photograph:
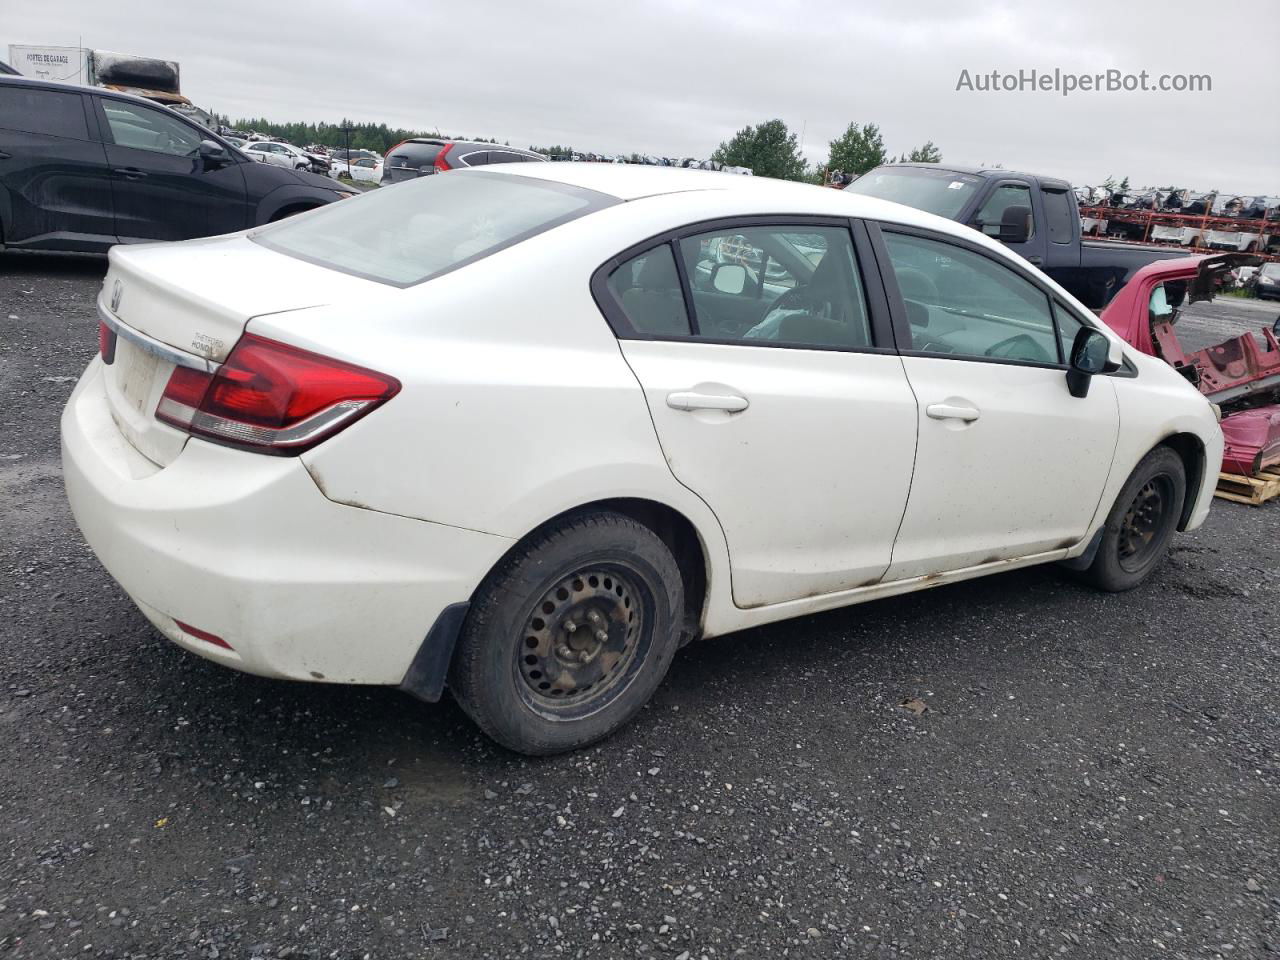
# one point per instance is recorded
(1036, 261)
(947, 411)
(129, 173)
(5, 156)
(692, 400)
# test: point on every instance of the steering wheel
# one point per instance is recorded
(797, 298)
(1021, 346)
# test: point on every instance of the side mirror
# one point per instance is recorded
(1015, 224)
(1091, 354)
(213, 154)
(729, 278)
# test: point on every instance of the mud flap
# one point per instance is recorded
(1085, 560)
(426, 675)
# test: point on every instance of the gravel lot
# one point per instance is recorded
(1092, 776)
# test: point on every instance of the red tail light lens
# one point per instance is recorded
(106, 342)
(273, 398)
(441, 164)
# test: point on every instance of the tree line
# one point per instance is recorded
(769, 149)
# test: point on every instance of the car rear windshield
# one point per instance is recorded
(413, 231)
(944, 192)
(415, 155)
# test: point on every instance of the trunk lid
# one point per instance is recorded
(187, 304)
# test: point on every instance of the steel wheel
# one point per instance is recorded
(580, 642)
(1143, 523)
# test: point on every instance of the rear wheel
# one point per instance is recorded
(1141, 523)
(569, 637)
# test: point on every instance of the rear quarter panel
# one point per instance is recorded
(516, 402)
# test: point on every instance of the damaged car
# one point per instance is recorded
(591, 413)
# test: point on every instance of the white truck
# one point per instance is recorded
(155, 79)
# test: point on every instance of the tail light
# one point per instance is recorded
(106, 342)
(440, 164)
(272, 398)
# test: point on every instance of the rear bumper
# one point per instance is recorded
(247, 548)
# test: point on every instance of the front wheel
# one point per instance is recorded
(570, 635)
(1141, 523)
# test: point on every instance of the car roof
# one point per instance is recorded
(78, 88)
(466, 143)
(635, 181)
(1053, 183)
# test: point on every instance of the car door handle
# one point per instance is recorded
(1036, 261)
(129, 173)
(692, 400)
(5, 156)
(947, 411)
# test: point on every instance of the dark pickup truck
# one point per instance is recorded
(1036, 217)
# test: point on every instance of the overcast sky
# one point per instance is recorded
(675, 78)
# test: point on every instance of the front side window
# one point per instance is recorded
(146, 128)
(49, 112)
(964, 304)
(1006, 195)
(429, 225)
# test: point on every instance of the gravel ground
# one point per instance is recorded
(1080, 775)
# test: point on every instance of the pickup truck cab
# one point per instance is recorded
(1035, 217)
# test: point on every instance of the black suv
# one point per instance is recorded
(425, 155)
(82, 168)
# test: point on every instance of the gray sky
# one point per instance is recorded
(675, 78)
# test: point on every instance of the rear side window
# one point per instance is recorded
(43, 111)
(414, 156)
(429, 225)
(1057, 214)
(461, 157)
(648, 289)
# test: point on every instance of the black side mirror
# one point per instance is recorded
(1090, 356)
(213, 154)
(1015, 224)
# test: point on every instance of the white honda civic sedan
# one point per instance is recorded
(528, 431)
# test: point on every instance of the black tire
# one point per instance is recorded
(1141, 523)
(570, 635)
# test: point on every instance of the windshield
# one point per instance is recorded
(943, 192)
(1271, 271)
(413, 231)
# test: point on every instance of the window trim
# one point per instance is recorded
(879, 317)
(898, 309)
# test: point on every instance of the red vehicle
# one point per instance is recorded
(1238, 375)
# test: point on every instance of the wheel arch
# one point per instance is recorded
(1190, 449)
(426, 675)
(674, 529)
